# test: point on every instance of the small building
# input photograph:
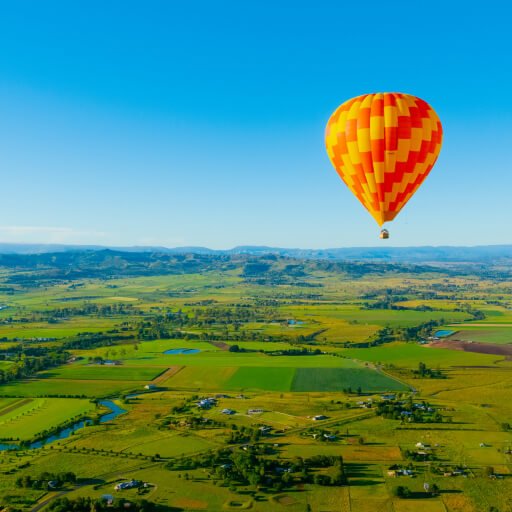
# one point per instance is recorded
(227, 411)
(132, 484)
(319, 417)
(149, 386)
(254, 411)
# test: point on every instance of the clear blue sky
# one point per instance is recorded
(202, 123)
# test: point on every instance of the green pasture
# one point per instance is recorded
(87, 388)
(64, 328)
(146, 350)
(224, 358)
(205, 377)
(102, 372)
(269, 379)
(41, 414)
(483, 334)
(409, 355)
(381, 317)
(338, 379)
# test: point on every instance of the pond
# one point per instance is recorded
(115, 411)
(182, 351)
(443, 333)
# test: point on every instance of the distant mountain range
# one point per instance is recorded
(484, 253)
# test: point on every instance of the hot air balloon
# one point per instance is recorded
(383, 146)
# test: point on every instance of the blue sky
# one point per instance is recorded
(180, 123)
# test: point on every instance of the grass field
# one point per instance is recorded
(337, 379)
(269, 379)
(205, 377)
(222, 358)
(41, 414)
(99, 372)
(410, 355)
(87, 388)
(484, 334)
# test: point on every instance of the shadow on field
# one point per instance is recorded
(90, 481)
(363, 482)
(358, 474)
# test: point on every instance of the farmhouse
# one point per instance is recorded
(319, 417)
(127, 485)
(227, 411)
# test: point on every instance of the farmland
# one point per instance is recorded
(301, 359)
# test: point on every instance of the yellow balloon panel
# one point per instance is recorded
(383, 146)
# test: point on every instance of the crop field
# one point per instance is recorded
(338, 379)
(40, 414)
(270, 379)
(97, 372)
(484, 334)
(410, 355)
(65, 388)
(206, 377)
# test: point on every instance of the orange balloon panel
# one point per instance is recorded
(383, 147)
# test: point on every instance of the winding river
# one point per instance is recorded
(115, 411)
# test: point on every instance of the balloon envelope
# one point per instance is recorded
(383, 146)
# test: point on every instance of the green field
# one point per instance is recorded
(410, 355)
(269, 379)
(483, 334)
(87, 388)
(100, 372)
(338, 379)
(41, 414)
(223, 358)
(205, 377)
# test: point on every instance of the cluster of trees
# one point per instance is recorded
(88, 340)
(253, 465)
(101, 505)
(43, 479)
(85, 309)
(406, 410)
(424, 372)
(26, 366)
(204, 317)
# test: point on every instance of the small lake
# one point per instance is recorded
(182, 351)
(439, 334)
(115, 411)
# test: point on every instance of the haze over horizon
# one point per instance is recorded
(127, 126)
